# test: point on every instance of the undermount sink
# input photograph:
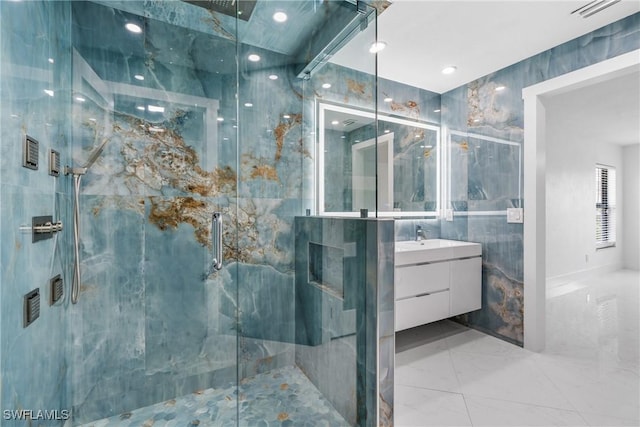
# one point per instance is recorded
(430, 250)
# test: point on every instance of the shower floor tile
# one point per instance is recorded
(283, 397)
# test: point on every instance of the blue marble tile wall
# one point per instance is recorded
(381, 253)
(485, 176)
(148, 199)
(336, 323)
(151, 324)
(35, 89)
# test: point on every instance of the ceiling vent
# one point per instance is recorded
(594, 7)
(348, 122)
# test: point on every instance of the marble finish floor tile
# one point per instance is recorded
(278, 398)
(416, 406)
(511, 379)
(587, 376)
(493, 412)
(428, 366)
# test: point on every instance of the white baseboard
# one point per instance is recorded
(563, 279)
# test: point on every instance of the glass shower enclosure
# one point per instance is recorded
(174, 113)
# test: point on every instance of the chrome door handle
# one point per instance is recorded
(216, 240)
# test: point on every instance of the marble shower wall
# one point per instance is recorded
(35, 91)
(345, 314)
(166, 327)
(486, 128)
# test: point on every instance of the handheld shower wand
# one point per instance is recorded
(77, 177)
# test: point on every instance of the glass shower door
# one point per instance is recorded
(300, 361)
(154, 85)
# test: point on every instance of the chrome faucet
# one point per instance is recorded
(419, 233)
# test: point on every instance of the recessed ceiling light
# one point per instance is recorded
(140, 107)
(388, 99)
(357, 140)
(134, 28)
(49, 92)
(449, 69)
(335, 122)
(225, 139)
(139, 77)
(387, 131)
(51, 61)
(436, 111)
(155, 109)
(273, 76)
(155, 129)
(91, 119)
(377, 46)
(248, 104)
(15, 116)
(80, 99)
(280, 17)
(326, 85)
(476, 120)
(500, 88)
(220, 119)
(286, 116)
(343, 137)
(253, 57)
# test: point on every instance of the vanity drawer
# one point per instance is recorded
(417, 311)
(414, 280)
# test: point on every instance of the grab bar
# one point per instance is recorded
(216, 240)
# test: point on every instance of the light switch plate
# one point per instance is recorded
(515, 215)
(448, 214)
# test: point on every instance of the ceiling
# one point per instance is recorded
(605, 112)
(478, 37)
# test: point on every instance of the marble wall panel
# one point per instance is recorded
(334, 331)
(34, 57)
(384, 249)
(479, 109)
(174, 179)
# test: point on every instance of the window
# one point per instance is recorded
(605, 206)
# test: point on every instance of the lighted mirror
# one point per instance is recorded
(353, 147)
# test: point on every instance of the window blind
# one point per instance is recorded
(605, 206)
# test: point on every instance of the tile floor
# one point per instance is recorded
(284, 397)
(449, 375)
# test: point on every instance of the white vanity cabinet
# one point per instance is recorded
(436, 279)
(465, 286)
